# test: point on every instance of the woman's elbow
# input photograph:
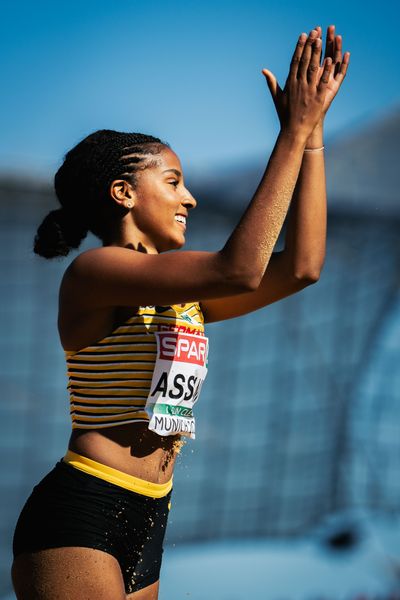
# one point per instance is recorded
(308, 276)
(240, 279)
(309, 271)
(245, 282)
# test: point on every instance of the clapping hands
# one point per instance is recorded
(306, 63)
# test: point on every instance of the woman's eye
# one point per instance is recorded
(175, 183)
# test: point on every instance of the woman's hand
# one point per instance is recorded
(333, 49)
(309, 68)
(300, 103)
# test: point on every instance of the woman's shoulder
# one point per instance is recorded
(108, 257)
(92, 254)
(70, 284)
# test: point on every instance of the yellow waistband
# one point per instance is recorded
(129, 482)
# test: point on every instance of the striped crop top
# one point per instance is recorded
(109, 381)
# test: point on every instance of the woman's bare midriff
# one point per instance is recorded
(131, 448)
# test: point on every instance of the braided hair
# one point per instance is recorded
(82, 186)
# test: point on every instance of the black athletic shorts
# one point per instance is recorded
(69, 507)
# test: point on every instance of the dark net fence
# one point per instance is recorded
(299, 415)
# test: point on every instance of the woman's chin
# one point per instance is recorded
(173, 244)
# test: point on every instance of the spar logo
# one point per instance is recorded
(183, 347)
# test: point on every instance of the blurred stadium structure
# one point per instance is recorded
(299, 416)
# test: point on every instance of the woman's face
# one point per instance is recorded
(162, 203)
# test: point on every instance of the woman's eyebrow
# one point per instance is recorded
(177, 173)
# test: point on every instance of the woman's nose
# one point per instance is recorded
(188, 200)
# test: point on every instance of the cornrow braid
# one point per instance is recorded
(82, 186)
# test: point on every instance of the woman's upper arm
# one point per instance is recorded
(277, 283)
(116, 276)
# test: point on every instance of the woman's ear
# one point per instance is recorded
(123, 193)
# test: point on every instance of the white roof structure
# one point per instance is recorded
(362, 167)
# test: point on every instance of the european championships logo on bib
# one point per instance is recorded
(186, 317)
(179, 373)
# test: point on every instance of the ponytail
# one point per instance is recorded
(59, 232)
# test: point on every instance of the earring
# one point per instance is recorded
(129, 204)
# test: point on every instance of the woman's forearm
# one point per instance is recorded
(305, 238)
(251, 244)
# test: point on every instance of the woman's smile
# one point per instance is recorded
(181, 220)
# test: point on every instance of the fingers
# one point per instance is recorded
(306, 55)
(313, 69)
(337, 57)
(294, 63)
(305, 63)
(341, 73)
(333, 50)
(323, 82)
(330, 42)
(272, 82)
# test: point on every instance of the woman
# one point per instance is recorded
(131, 322)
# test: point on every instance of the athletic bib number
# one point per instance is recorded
(179, 372)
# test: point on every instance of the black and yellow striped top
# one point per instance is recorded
(109, 381)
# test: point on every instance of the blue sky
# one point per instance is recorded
(186, 71)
